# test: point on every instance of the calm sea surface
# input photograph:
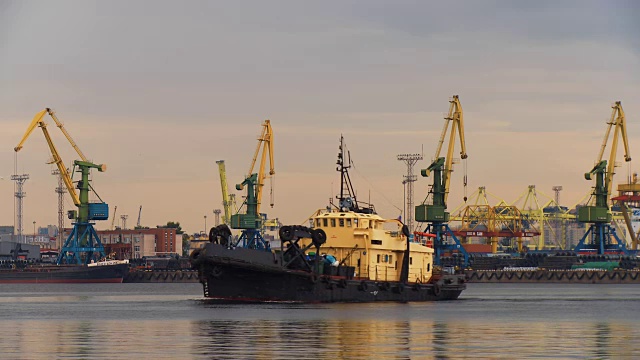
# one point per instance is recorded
(171, 321)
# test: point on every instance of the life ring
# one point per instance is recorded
(436, 289)
(363, 285)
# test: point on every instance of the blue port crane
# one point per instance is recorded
(83, 244)
(251, 221)
(601, 237)
(435, 214)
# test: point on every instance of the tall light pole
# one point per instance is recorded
(19, 179)
(410, 160)
(216, 213)
(34, 231)
(205, 224)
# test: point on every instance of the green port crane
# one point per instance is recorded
(251, 221)
(435, 214)
(601, 237)
(83, 244)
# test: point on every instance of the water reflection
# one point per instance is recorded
(269, 339)
(506, 322)
(383, 339)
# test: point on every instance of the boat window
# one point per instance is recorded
(317, 222)
(341, 221)
(324, 222)
(355, 222)
(396, 265)
(376, 242)
(410, 260)
(429, 267)
(390, 258)
(348, 222)
(333, 222)
(378, 257)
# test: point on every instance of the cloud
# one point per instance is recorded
(160, 90)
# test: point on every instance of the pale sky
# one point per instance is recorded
(160, 90)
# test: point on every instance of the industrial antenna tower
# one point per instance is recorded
(409, 179)
(216, 213)
(60, 190)
(124, 221)
(19, 179)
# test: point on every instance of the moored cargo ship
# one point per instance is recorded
(112, 271)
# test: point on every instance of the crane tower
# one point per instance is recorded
(60, 190)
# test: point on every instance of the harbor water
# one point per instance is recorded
(173, 321)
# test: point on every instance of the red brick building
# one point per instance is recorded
(137, 243)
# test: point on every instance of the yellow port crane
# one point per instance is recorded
(228, 200)
(83, 244)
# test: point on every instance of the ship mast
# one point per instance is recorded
(347, 199)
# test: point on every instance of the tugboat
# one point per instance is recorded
(348, 254)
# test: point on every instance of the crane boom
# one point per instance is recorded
(266, 142)
(226, 200)
(620, 130)
(456, 119)
(66, 134)
(113, 220)
(37, 121)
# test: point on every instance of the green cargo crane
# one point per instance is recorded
(251, 221)
(435, 214)
(601, 237)
(83, 244)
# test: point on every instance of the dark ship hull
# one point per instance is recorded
(247, 275)
(65, 274)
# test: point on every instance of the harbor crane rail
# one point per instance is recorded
(83, 244)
